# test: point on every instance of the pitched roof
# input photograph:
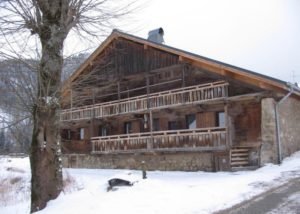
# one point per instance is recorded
(259, 80)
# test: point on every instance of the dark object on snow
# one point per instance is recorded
(144, 170)
(117, 182)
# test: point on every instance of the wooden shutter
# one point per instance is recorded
(206, 119)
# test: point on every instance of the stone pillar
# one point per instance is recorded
(269, 153)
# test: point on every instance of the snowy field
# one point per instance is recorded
(161, 193)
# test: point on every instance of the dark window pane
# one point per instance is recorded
(103, 131)
(127, 128)
(173, 125)
(156, 124)
(69, 134)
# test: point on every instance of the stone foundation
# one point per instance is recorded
(175, 161)
(289, 117)
(269, 151)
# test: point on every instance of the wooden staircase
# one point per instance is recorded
(239, 158)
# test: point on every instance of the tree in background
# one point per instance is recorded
(50, 21)
(2, 141)
(17, 88)
(16, 77)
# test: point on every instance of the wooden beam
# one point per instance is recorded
(227, 126)
(71, 97)
(251, 96)
(119, 91)
(150, 146)
(183, 76)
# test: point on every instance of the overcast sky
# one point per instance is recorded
(259, 35)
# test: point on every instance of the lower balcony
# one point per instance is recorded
(189, 140)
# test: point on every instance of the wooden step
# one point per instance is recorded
(243, 168)
(239, 158)
(239, 150)
(239, 163)
(239, 154)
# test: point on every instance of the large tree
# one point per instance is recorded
(51, 21)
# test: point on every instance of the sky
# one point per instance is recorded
(258, 35)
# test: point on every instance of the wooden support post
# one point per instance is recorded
(150, 146)
(183, 76)
(227, 126)
(183, 83)
(119, 97)
(92, 128)
(93, 147)
(71, 95)
(93, 96)
(119, 91)
(226, 91)
(148, 91)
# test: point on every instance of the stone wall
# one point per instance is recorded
(289, 114)
(171, 161)
(269, 151)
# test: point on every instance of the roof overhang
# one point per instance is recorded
(240, 74)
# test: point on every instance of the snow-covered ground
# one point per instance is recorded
(161, 192)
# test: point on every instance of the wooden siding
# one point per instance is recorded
(206, 119)
(76, 146)
(246, 119)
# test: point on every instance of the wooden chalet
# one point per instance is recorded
(136, 103)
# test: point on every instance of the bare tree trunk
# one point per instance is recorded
(52, 20)
(45, 154)
(46, 181)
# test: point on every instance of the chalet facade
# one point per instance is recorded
(136, 103)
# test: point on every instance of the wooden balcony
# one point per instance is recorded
(166, 99)
(207, 139)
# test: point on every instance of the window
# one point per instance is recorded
(155, 124)
(69, 134)
(81, 134)
(173, 125)
(190, 121)
(103, 131)
(127, 127)
(220, 119)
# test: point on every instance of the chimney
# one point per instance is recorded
(156, 35)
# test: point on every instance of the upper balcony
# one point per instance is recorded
(165, 99)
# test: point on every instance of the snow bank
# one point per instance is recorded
(165, 192)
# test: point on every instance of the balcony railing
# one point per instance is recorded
(206, 139)
(165, 99)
